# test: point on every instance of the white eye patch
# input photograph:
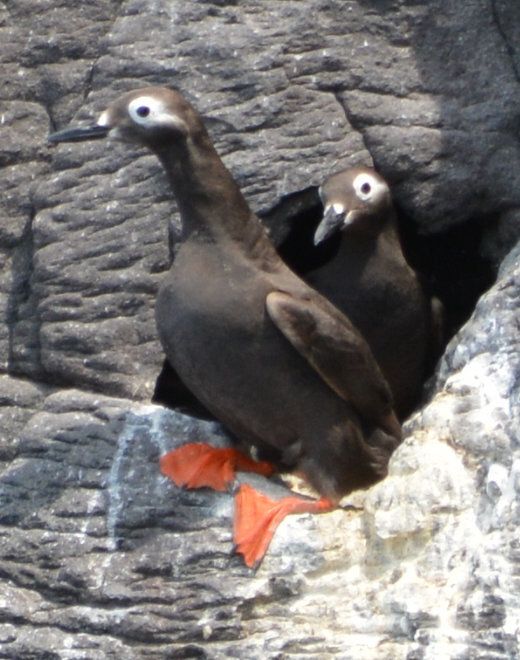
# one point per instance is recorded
(151, 112)
(368, 188)
(145, 110)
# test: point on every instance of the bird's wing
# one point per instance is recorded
(337, 352)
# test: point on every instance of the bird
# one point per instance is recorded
(274, 361)
(370, 280)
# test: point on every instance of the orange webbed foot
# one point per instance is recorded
(258, 516)
(197, 465)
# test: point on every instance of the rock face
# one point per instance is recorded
(101, 557)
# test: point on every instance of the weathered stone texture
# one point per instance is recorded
(283, 85)
(100, 557)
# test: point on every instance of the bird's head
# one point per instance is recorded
(151, 116)
(352, 197)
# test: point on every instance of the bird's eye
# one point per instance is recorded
(143, 111)
(365, 188)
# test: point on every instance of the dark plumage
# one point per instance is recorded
(265, 353)
(371, 282)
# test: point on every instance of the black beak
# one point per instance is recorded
(330, 223)
(80, 133)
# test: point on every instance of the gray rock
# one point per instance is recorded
(101, 557)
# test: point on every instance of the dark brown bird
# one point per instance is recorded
(266, 354)
(371, 282)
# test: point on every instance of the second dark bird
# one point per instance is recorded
(371, 282)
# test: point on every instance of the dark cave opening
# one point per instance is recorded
(450, 263)
(171, 392)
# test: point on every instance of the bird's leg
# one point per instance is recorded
(197, 465)
(257, 518)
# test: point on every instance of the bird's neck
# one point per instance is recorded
(368, 238)
(211, 205)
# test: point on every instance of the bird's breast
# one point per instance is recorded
(217, 334)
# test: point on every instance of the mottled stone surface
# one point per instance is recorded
(101, 557)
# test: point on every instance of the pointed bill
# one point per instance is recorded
(332, 221)
(79, 134)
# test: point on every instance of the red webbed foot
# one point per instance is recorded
(258, 516)
(198, 465)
